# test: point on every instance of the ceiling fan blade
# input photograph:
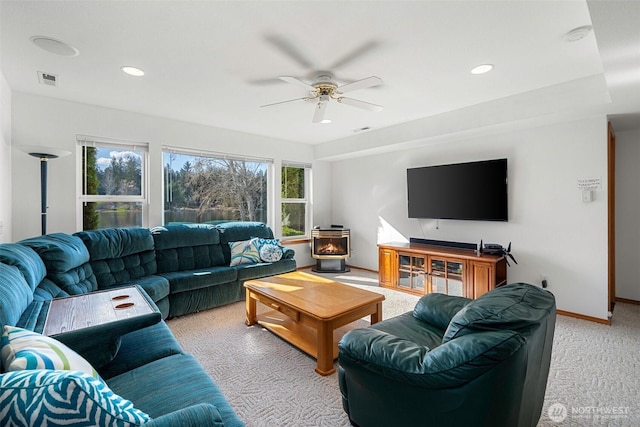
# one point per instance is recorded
(360, 104)
(285, 46)
(296, 82)
(360, 84)
(284, 102)
(355, 54)
(318, 115)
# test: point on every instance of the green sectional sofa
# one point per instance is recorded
(135, 372)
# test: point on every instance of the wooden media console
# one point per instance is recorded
(422, 269)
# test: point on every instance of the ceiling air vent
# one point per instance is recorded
(47, 79)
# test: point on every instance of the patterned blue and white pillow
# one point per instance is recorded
(270, 253)
(261, 241)
(244, 252)
(22, 349)
(62, 398)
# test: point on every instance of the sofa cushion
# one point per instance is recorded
(110, 243)
(156, 286)
(184, 281)
(187, 247)
(60, 252)
(140, 347)
(21, 349)
(181, 235)
(47, 290)
(438, 309)
(244, 252)
(405, 326)
(119, 255)
(15, 294)
(62, 397)
(196, 300)
(241, 230)
(27, 261)
(518, 307)
(183, 383)
(447, 366)
(34, 316)
(66, 259)
(76, 281)
(264, 269)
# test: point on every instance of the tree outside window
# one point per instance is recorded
(113, 193)
(294, 201)
(209, 189)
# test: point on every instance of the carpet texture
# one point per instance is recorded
(594, 368)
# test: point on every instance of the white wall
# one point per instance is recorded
(552, 231)
(46, 121)
(628, 214)
(5, 161)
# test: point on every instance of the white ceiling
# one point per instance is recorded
(216, 62)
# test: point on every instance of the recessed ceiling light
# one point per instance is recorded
(578, 33)
(481, 69)
(54, 46)
(325, 121)
(132, 71)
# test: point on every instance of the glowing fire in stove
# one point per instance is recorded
(330, 248)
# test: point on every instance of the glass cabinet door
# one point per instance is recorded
(446, 276)
(411, 272)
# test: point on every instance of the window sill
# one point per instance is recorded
(295, 241)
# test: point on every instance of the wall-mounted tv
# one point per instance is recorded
(469, 191)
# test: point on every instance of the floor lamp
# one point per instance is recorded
(44, 154)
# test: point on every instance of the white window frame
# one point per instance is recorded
(93, 141)
(306, 200)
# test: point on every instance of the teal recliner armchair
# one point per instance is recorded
(452, 362)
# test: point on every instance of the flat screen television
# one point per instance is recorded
(468, 191)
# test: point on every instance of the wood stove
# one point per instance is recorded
(330, 247)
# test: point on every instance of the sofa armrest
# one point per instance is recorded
(199, 415)
(288, 253)
(438, 309)
(449, 365)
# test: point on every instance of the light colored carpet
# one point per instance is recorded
(270, 383)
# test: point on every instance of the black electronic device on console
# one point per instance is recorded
(497, 249)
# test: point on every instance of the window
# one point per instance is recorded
(213, 188)
(295, 196)
(113, 189)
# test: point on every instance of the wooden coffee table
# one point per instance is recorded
(310, 312)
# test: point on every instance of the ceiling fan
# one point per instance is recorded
(324, 89)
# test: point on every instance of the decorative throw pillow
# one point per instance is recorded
(244, 252)
(270, 253)
(261, 241)
(21, 349)
(59, 398)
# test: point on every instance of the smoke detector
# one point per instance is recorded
(54, 46)
(47, 79)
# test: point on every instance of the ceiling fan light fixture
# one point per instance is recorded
(482, 69)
